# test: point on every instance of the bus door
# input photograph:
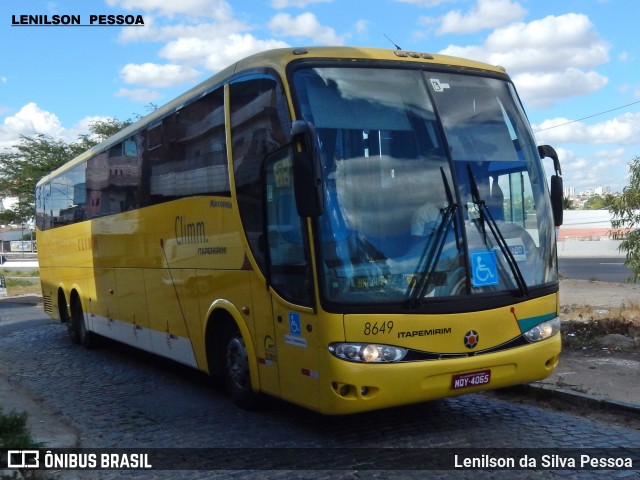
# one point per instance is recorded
(289, 276)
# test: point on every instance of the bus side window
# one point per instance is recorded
(259, 126)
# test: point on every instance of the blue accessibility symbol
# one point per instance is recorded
(294, 323)
(484, 269)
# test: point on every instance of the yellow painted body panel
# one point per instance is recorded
(149, 269)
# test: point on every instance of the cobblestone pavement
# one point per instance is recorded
(117, 398)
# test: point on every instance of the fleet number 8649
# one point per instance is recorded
(378, 327)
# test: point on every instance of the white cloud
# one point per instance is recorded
(193, 44)
(156, 32)
(29, 120)
(543, 89)
(218, 9)
(4, 80)
(155, 75)
(141, 95)
(280, 4)
(592, 169)
(486, 14)
(546, 44)
(305, 25)
(215, 53)
(362, 26)
(623, 130)
(32, 120)
(548, 58)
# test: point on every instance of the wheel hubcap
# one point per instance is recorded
(237, 363)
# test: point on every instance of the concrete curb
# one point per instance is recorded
(573, 397)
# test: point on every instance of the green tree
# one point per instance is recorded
(608, 199)
(595, 202)
(35, 156)
(626, 220)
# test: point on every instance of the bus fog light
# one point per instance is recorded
(543, 331)
(367, 352)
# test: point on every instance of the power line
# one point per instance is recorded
(585, 118)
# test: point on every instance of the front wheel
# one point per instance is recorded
(236, 370)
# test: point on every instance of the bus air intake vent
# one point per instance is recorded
(47, 304)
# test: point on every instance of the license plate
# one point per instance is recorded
(471, 379)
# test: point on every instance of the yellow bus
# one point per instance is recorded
(347, 229)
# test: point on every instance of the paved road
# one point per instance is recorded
(118, 397)
(603, 269)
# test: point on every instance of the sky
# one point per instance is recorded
(575, 63)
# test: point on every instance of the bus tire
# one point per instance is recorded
(77, 327)
(236, 369)
(73, 328)
(63, 308)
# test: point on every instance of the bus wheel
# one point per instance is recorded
(63, 308)
(73, 328)
(77, 328)
(236, 370)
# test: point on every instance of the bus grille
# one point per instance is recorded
(47, 304)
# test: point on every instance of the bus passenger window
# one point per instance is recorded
(259, 126)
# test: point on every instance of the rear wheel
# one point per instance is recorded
(236, 370)
(77, 327)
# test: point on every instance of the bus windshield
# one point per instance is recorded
(433, 186)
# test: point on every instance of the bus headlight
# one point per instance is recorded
(367, 352)
(544, 330)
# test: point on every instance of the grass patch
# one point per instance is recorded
(17, 285)
(22, 287)
(14, 435)
(20, 273)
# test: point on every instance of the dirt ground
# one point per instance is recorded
(599, 294)
(607, 372)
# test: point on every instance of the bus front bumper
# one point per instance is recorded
(349, 387)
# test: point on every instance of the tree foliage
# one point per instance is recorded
(34, 157)
(595, 202)
(626, 219)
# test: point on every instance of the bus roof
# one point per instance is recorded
(276, 59)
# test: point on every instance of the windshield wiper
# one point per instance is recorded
(486, 217)
(430, 257)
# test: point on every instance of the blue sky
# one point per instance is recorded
(569, 59)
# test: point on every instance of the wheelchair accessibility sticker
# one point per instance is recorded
(294, 337)
(294, 324)
(484, 269)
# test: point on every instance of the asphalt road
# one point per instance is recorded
(118, 397)
(602, 269)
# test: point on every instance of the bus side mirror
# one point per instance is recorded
(556, 183)
(556, 199)
(548, 151)
(307, 171)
